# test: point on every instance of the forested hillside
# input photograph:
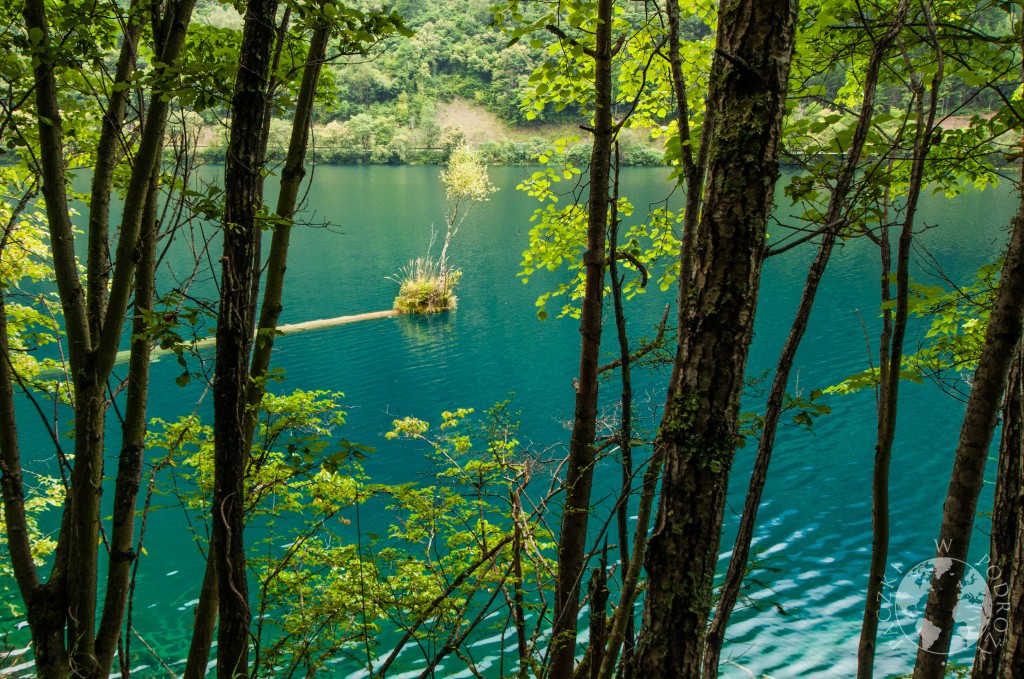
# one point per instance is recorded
(414, 99)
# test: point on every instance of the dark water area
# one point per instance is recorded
(814, 526)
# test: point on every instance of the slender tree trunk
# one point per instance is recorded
(11, 483)
(45, 605)
(280, 38)
(733, 583)
(291, 180)
(44, 602)
(890, 368)
(572, 541)
(107, 154)
(12, 487)
(519, 605)
(91, 378)
(1006, 519)
(243, 190)
(694, 169)
(625, 421)
(51, 160)
(623, 614)
(92, 343)
(133, 445)
(699, 426)
(204, 623)
(1003, 335)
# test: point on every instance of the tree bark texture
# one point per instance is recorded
(243, 181)
(1011, 658)
(270, 311)
(133, 445)
(1003, 335)
(572, 541)
(746, 98)
(1006, 518)
(834, 220)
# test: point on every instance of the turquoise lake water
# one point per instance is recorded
(814, 525)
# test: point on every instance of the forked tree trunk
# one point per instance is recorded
(890, 367)
(93, 331)
(107, 154)
(746, 102)
(270, 312)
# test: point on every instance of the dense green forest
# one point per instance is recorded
(384, 106)
(110, 110)
(405, 99)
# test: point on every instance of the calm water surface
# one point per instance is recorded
(814, 531)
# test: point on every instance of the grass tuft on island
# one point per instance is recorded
(424, 289)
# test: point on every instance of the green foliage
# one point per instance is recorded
(44, 493)
(326, 586)
(32, 315)
(475, 505)
(957, 323)
(466, 185)
(453, 51)
(557, 237)
(300, 477)
(31, 323)
(465, 182)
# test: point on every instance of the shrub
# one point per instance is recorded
(423, 289)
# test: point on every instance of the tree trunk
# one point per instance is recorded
(1006, 518)
(44, 603)
(834, 220)
(291, 180)
(91, 378)
(133, 445)
(204, 623)
(270, 312)
(1011, 661)
(107, 154)
(890, 367)
(92, 341)
(699, 426)
(572, 541)
(243, 190)
(1003, 335)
